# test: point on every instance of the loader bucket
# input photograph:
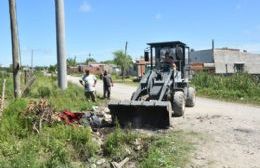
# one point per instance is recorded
(141, 114)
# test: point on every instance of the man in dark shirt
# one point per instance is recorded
(107, 83)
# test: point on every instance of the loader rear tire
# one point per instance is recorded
(191, 97)
(178, 104)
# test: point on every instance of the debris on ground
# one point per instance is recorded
(138, 144)
(69, 117)
(120, 164)
(97, 118)
(101, 161)
(41, 112)
(84, 119)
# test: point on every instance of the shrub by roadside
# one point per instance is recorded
(237, 87)
(56, 144)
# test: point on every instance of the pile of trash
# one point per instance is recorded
(98, 117)
(42, 112)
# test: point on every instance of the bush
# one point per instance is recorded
(239, 86)
(117, 142)
(44, 92)
(56, 145)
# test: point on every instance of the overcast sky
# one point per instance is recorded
(100, 27)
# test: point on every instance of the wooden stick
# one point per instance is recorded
(3, 97)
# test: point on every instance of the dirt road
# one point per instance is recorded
(229, 133)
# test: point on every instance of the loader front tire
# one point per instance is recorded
(178, 104)
(191, 97)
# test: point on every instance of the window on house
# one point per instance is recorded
(239, 67)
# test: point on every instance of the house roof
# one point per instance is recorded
(167, 43)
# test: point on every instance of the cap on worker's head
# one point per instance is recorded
(105, 72)
(86, 71)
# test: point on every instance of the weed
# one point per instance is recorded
(169, 151)
(57, 145)
(237, 87)
(44, 91)
(117, 143)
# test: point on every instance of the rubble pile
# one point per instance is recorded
(99, 119)
(40, 112)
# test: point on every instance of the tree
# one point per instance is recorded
(108, 62)
(89, 60)
(123, 61)
(52, 68)
(71, 61)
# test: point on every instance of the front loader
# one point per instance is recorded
(163, 92)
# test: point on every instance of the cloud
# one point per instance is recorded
(85, 7)
(158, 16)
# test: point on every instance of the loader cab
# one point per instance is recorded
(163, 55)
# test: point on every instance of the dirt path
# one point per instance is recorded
(230, 132)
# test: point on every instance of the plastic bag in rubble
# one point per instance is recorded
(95, 121)
(85, 119)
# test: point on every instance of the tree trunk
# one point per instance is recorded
(123, 73)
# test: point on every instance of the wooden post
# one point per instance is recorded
(2, 98)
(15, 49)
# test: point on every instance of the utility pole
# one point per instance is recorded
(60, 36)
(15, 48)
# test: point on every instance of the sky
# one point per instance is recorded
(101, 27)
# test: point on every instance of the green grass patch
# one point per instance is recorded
(57, 145)
(168, 150)
(171, 149)
(72, 98)
(237, 87)
(119, 143)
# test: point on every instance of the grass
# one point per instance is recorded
(72, 99)
(168, 150)
(127, 81)
(118, 144)
(238, 87)
(57, 145)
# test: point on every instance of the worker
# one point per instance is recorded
(174, 66)
(89, 84)
(168, 59)
(107, 83)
